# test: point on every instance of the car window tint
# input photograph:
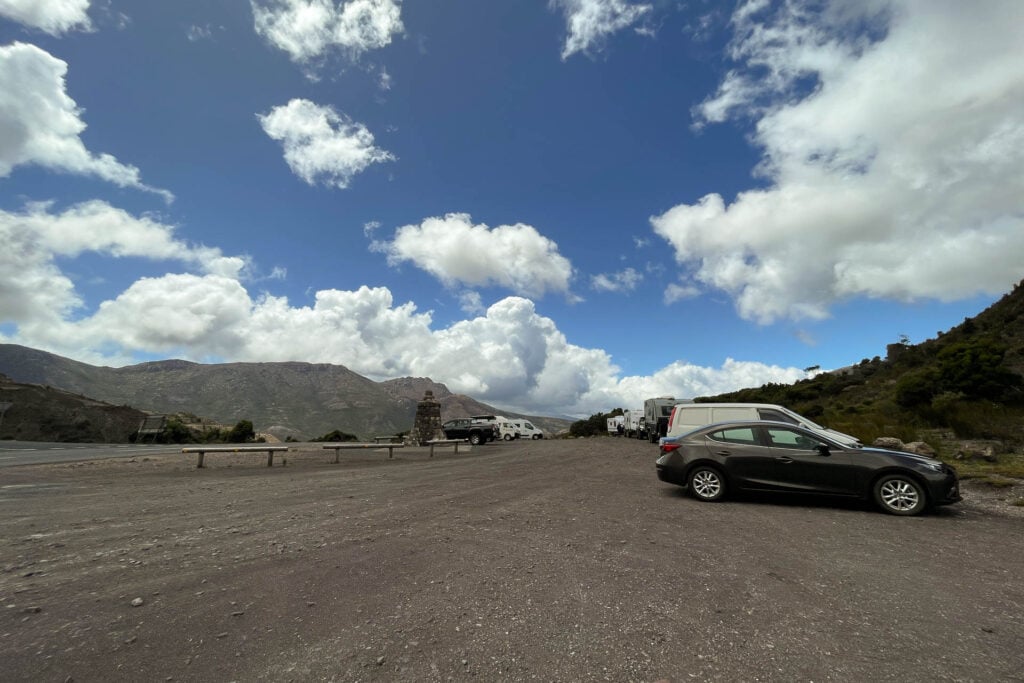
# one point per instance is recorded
(740, 435)
(775, 415)
(780, 437)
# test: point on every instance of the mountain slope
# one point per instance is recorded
(302, 400)
(41, 413)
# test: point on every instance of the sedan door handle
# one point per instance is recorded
(784, 459)
(723, 452)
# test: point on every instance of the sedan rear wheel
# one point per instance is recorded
(706, 484)
(899, 494)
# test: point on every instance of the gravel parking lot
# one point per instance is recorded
(533, 560)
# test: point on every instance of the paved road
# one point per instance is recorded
(35, 452)
(544, 560)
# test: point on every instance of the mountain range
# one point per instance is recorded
(289, 399)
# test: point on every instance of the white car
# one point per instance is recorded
(508, 430)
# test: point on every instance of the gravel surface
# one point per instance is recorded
(543, 560)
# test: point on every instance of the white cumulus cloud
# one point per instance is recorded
(307, 29)
(454, 250)
(896, 174)
(320, 144)
(40, 124)
(38, 296)
(52, 16)
(507, 355)
(590, 22)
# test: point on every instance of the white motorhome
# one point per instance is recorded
(633, 422)
(656, 414)
(689, 416)
(527, 430)
(614, 423)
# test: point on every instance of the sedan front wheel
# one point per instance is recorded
(707, 484)
(899, 494)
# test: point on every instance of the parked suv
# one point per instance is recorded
(475, 431)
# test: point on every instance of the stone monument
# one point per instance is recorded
(428, 421)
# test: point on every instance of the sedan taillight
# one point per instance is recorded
(669, 447)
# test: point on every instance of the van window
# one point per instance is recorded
(727, 414)
(776, 415)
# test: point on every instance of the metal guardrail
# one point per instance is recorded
(203, 450)
(338, 447)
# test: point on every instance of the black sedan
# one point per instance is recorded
(780, 457)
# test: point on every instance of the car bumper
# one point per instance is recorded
(670, 475)
(944, 492)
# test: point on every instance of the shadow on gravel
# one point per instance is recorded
(806, 501)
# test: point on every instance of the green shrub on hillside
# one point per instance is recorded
(242, 432)
(336, 436)
(593, 425)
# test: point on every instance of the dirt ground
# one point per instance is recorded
(543, 560)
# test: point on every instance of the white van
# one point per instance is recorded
(634, 422)
(507, 430)
(528, 431)
(689, 416)
(616, 423)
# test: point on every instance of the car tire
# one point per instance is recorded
(508, 437)
(474, 439)
(706, 483)
(900, 494)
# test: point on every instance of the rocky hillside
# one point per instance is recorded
(964, 383)
(40, 413)
(301, 400)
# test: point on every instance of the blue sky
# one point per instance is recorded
(556, 207)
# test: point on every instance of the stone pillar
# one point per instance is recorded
(428, 421)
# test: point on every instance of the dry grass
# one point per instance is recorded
(1007, 467)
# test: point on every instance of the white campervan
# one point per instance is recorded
(528, 431)
(689, 416)
(634, 422)
(615, 424)
(507, 429)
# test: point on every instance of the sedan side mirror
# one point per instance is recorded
(823, 450)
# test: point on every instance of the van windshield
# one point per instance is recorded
(780, 416)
